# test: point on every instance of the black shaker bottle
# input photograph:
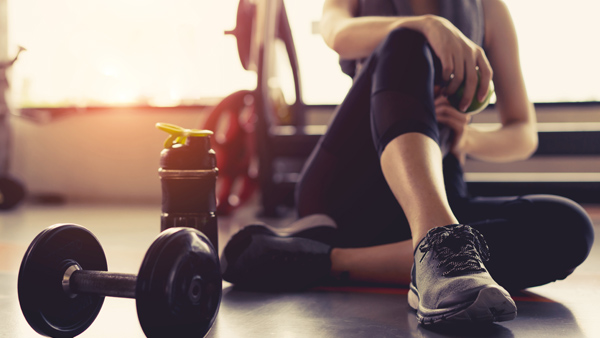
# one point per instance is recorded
(188, 174)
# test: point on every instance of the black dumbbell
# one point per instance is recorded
(63, 280)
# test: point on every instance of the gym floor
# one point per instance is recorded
(561, 309)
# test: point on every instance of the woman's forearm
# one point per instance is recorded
(511, 142)
(356, 38)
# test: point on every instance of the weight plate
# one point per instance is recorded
(179, 285)
(49, 310)
(246, 15)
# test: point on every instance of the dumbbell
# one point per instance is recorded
(63, 280)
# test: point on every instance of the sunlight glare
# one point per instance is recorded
(174, 52)
(145, 47)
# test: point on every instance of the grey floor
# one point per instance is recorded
(562, 309)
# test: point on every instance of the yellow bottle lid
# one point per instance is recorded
(178, 135)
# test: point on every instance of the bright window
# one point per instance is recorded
(559, 48)
(173, 52)
(124, 52)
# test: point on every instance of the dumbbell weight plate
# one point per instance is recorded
(49, 310)
(179, 285)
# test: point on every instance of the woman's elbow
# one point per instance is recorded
(524, 136)
(337, 37)
(334, 40)
(529, 145)
(327, 35)
(330, 30)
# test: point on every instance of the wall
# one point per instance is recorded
(111, 155)
(100, 156)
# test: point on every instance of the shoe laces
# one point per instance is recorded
(459, 248)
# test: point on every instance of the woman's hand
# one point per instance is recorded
(457, 121)
(460, 58)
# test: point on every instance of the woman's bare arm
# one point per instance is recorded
(516, 139)
(357, 37)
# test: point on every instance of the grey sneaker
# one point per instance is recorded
(451, 284)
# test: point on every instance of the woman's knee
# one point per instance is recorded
(405, 61)
(402, 89)
(543, 239)
(404, 37)
(566, 224)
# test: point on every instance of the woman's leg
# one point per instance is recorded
(412, 165)
(380, 264)
(410, 155)
(533, 239)
(392, 263)
(389, 105)
(342, 178)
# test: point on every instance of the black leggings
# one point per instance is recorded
(533, 239)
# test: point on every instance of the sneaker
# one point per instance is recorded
(258, 259)
(450, 282)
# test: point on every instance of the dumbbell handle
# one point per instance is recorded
(99, 282)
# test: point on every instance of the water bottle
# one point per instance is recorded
(188, 175)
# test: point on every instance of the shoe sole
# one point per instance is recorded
(307, 223)
(491, 305)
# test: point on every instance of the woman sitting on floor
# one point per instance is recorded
(382, 198)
